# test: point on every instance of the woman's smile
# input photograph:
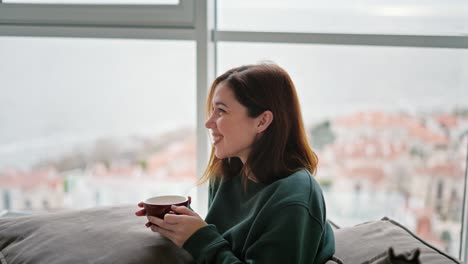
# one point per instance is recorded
(216, 138)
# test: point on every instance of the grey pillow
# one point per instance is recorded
(389, 257)
(363, 242)
(100, 235)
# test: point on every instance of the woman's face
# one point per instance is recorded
(233, 131)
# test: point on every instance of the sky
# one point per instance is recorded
(58, 92)
(449, 17)
(61, 91)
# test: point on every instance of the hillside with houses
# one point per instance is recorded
(410, 167)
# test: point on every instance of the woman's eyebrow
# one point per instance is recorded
(220, 103)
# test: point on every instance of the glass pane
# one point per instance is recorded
(92, 122)
(345, 16)
(390, 127)
(110, 2)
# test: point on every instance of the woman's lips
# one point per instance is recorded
(216, 138)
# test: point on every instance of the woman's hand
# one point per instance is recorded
(142, 212)
(176, 227)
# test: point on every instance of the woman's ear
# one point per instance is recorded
(264, 121)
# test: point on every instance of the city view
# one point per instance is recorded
(371, 164)
(391, 141)
(102, 115)
(407, 167)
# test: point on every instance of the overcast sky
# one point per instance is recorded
(59, 91)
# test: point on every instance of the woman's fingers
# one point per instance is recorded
(141, 212)
(162, 231)
(160, 222)
(177, 227)
(172, 219)
(183, 210)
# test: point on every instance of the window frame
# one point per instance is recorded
(463, 255)
(99, 15)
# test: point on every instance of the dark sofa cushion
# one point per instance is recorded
(365, 242)
(100, 235)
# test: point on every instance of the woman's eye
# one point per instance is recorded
(220, 111)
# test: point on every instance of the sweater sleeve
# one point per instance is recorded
(291, 236)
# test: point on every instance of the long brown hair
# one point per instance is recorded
(283, 148)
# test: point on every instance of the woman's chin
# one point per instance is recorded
(220, 155)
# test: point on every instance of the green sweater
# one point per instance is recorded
(283, 222)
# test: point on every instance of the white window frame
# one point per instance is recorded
(112, 15)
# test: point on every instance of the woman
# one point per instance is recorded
(264, 204)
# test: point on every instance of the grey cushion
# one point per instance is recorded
(411, 257)
(335, 259)
(362, 243)
(100, 235)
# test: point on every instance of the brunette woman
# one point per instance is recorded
(264, 204)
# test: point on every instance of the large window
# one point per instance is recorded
(102, 102)
(389, 124)
(91, 122)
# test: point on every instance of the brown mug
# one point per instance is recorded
(158, 206)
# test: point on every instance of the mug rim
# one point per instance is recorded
(185, 199)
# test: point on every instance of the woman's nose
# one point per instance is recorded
(209, 123)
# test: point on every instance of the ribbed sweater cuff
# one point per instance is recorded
(202, 241)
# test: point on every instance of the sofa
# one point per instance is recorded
(385, 241)
(115, 235)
